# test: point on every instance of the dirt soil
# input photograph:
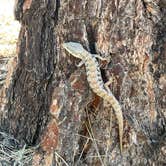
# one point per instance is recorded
(9, 29)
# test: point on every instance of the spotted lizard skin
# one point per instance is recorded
(95, 80)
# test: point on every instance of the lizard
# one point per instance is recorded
(95, 80)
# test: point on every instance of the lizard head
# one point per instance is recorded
(76, 49)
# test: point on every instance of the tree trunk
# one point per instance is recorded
(48, 101)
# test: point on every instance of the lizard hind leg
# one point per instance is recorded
(106, 85)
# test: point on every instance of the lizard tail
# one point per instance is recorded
(118, 112)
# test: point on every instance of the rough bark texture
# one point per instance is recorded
(48, 100)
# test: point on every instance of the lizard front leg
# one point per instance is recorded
(80, 63)
(99, 57)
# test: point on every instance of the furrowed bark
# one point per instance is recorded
(48, 100)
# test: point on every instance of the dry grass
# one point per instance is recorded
(13, 153)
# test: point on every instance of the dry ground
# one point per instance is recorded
(9, 29)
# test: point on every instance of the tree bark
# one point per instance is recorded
(48, 101)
